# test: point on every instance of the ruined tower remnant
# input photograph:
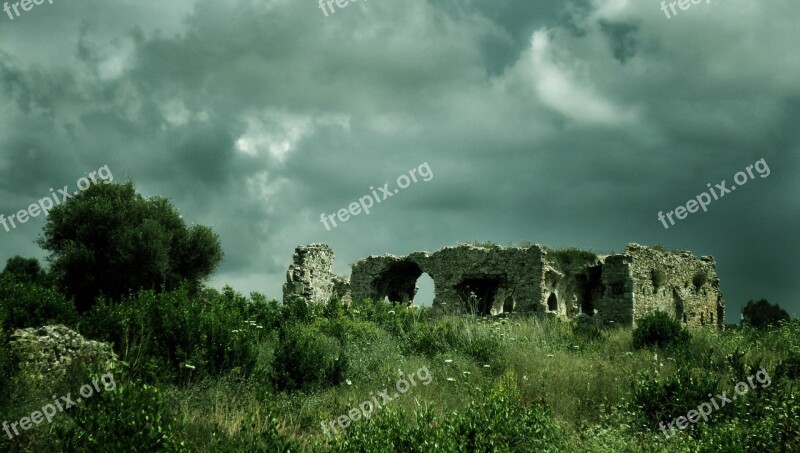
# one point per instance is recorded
(310, 277)
(618, 288)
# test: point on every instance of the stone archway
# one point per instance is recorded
(398, 282)
(552, 302)
(479, 293)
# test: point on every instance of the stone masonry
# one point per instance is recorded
(47, 353)
(310, 276)
(490, 280)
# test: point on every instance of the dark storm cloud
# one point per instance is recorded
(558, 122)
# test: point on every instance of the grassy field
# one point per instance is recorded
(225, 373)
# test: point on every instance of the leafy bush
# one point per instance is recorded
(395, 320)
(659, 329)
(780, 431)
(589, 328)
(307, 359)
(131, 417)
(790, 366)
(699, 279)
(499, 421)
(662, 397)
(347, 330)
(658, 277)
(448, 335)
(436, 338)
(298, 310)
(572, 257)
(32, 305)
(181, 336)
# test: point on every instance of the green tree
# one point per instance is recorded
(762, 314)
(24, 270)
(109, 240)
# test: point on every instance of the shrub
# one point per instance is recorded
(307, 359)
(659, 329)
(658, 278)
(265, 312)
(572, 257)
(497, 421)
(177, 335)
(347, 330)
(790, 366)
(589, 328)
(395, 320)
(435, 338)
(668, 397)
(31, 305)
(699, 279)
(131, 417)
(298, 310)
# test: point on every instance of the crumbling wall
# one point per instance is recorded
(619, 288)
(571, 282)
(646, 279)
(310, 276)
(487, 280)
(616, 303)
(48, 353)
(678, 283)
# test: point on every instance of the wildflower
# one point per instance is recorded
(524, 378)
(349, 382)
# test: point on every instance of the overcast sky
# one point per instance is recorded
(557, 122)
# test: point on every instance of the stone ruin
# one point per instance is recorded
(310, 276)
(47, 353)
(492, 280)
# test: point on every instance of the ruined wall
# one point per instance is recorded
(619, 288)
(616, 303)
(644, 279)
(571, 282)
(678, 283)
(310, 276)
(502, 279)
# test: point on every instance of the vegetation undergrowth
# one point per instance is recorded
(221, 371)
